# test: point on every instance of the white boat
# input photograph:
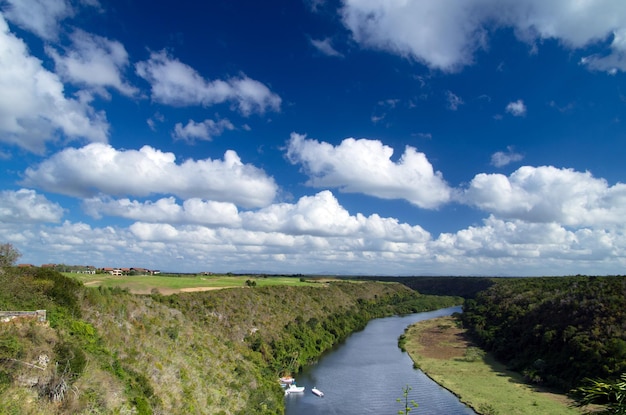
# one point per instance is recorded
(287, 380)
(294, 389)
(317, 392)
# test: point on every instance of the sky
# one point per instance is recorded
(352, 137)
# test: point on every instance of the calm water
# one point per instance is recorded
(366, 374)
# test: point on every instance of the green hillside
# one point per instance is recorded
(107, 351)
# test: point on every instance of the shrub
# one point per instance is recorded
(473, 354)
(71, 359)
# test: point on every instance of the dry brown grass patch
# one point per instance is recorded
(443, 341)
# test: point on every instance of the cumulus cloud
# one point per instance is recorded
(516, 108)
(99, 168)
(519, 248)
(175, 83)
(322, 215)
(33, 107)
(93, 61)
(319, 215)
(42, 17)
(444, 36)
(204, 130)
(166, 210)
(503, 158)
(26, 206)
(547, 194)
(365, 166)
(371, 245)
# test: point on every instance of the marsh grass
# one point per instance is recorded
(441, 351)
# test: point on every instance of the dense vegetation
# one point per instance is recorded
(556, 331)
(466, 287)
(217, 352)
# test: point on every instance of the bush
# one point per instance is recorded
(10, 347)
(71, 359)
(473, 354)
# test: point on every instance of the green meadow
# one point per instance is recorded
(169, 284)
(474, 376)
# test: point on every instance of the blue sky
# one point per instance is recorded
(347, 137)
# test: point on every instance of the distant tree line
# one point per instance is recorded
(557, 331)
(466, 287)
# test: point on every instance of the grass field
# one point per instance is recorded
(441, 350)
(170, 284)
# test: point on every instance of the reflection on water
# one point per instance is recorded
(366, 374)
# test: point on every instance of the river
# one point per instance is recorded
(367, 373)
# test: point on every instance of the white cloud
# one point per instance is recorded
(99, 168)
(613, 61)
(445, 36)
(33, 107)
(42, 17)
(516, 108)
(319, 215)
(315, 234)
(365, 166)
(93, 61)
(325, 46)
(204, 130)
(26, 206)
(547, 194)
(519, 248)
(454, 101)
(175, 83)
(503, 158)
(166, 210)
(383, 108)
(376, 245)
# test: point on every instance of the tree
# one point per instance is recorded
(8, 255)
(408, 405)
(610, 394)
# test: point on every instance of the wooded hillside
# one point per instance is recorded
(556, 331)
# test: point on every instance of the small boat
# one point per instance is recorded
(294, 389)
(317, 392)
(287, 380)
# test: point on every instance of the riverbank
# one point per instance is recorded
(441, 350)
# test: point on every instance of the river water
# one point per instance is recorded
(367, 373)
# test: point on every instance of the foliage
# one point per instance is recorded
(8, 255)
(610, 394)
(555, 330)
(466, 287)
(70, 358)
(408, 406)
(473, 354)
